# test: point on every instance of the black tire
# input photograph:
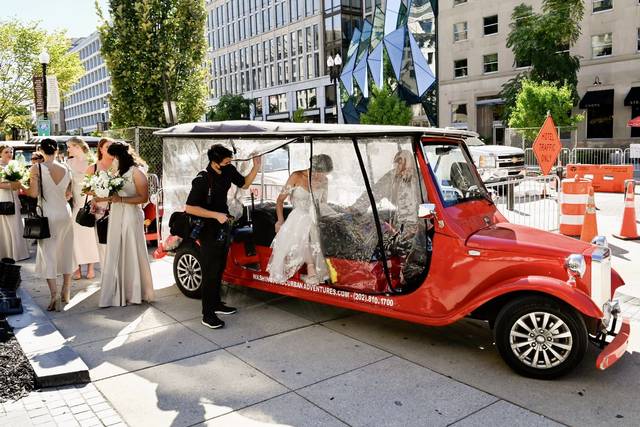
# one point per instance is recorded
(187, 270)
(563, 352)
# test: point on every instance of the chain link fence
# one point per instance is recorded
(146, 144)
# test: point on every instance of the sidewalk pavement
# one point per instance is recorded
(282, 361)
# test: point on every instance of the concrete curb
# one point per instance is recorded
(55, 363)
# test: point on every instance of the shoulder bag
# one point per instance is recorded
(85, 217)
(7, 208)
(102, 227)
(37, 226)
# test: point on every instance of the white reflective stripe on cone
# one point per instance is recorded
(629, 204)
(571, 219)
(574, 199)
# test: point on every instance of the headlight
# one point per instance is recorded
(576, 266)
(486, 161)
(600, 241)
(609, 309)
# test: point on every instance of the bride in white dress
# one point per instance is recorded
(12, 245)
(55, 254)
(297, 241)
(126, 274)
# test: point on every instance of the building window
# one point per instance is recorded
(600, 5)
(330, 95)
(278, 103)
(306, 99)
(460, 31)
(457, 2)
(460, 68)
(459, 113)
(490, 25)
(490, 63)
(257, 102)
(523, 63)
(601, 45)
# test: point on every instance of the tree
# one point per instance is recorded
(18, 120)
(155, 50)
(298, 116)
(542, 40)
(386, 108)
(230, 107)
(534, 101)
(20, 45)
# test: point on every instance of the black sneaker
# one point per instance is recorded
(223, 309)
(212, 322)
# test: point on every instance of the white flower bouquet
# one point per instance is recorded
(102, 184)
(14, 171)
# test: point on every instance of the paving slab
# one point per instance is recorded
(505, 414)
(308, 355)
(188, 391)
(249, 324)
(179, 307)
(139, 350)
(286, 410)
(31, 315)
(58, 366)
(313, 311)
(465, 352)
(396, 392)
(39, 337)
(110, 322)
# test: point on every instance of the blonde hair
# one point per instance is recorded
(78, 142)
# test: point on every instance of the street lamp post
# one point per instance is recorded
(334, 64)
(44, 61)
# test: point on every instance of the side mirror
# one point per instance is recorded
(426, 210)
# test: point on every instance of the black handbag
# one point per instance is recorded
(85, 217)
(102, 227)
(7, 208)
(37, 226)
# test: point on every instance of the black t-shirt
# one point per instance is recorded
(209, 189)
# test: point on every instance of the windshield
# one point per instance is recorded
(455, 173)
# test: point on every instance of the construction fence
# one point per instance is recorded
(146, 144)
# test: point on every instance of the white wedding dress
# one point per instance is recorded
(85, 244)
(12, 244)
(298, 241)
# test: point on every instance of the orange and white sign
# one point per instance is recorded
(547, 146)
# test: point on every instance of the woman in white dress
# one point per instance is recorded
(55, 254)
(12, 245)
(85, 244)
(297, 241)
(126, 274)
(100, 208)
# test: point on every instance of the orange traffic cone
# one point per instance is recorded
(590, 223)
(629, 231)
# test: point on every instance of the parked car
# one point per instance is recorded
(544, 295)
(496, 163)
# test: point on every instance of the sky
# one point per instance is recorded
(78, 17)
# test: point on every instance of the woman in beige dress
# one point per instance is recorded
(100, 208)
(126, 274)
(85, 244)
(12, 245)
(55, 254)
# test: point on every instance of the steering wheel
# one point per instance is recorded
(472, 189)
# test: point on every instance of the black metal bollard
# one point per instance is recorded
(511, 196)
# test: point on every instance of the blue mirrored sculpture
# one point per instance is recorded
(394, 43)
(375, 64)
(423, 73)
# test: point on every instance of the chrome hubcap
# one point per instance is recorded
(541, 340)
(189, 272)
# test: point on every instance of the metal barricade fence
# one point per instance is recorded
(147, 145)
(530, 201)
(598, 156)
(564, 158)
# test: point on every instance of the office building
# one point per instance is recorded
(86, 105)
(475, 63)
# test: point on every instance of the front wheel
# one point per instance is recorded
(539, 337)
(187, 270)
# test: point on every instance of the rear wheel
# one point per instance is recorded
(539, 337)
(187, 270)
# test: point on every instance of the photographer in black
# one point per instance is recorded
(208, 200)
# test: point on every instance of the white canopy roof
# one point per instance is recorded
(266, 129)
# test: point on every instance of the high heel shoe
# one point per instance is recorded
(52, 305)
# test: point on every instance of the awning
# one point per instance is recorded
(492, 101)
(633, 97)
(634, 123)
(596, 99)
